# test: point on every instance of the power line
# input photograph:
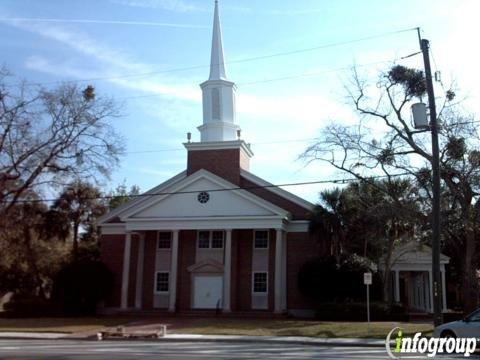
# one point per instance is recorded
(284, 141)
(298, 76)
(254, 143)
(108, 22)
(255, 58)
(332, 181)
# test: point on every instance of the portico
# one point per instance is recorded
(210, 275)
(412, 277)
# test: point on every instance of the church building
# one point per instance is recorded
(214, 237)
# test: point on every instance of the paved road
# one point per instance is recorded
(119, 350)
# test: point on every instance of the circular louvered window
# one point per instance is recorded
(203, 197)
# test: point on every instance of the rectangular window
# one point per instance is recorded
(217, 239)
(164, 240)
(162, 282)
(261, 239)
(204, 239)
(260, 282)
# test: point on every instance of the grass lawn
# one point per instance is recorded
(216, 326)
(60, 325)
(322, 329)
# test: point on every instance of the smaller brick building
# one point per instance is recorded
(214, 236)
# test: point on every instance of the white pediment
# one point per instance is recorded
(415, 253)
(181, 201)
(206, 266)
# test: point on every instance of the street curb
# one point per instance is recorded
(224, 339)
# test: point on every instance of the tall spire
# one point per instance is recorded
(218, 94)
(217, 62)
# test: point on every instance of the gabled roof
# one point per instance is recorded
(277, 190)
(177, 198)
(414, 252)
(137, 200)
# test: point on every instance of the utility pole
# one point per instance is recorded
(437, 290)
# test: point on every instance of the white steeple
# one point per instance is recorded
(218, 94)
(217, 63)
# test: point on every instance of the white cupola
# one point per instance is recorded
(218, 94)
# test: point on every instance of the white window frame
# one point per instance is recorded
(155, 282)
(158, 241)
(256, 293)
(210, 240)
(255, 236)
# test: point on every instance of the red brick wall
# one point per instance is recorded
(224, 163)
(186, 258)
(243, 269)
(301, 247)
(111, 252)
(297, 211)
(149, 269)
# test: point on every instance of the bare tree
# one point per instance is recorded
(385, 143)
(51, 137)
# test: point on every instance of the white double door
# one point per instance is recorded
(207, 291)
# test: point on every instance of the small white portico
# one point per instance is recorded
(412, 277)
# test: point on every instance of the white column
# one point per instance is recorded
(173, 272)
(430, 279)
(284, 272)
(444, 291)
(397, 286)
(278, 271)
(126, 270)
(227, 273)
(139, 278)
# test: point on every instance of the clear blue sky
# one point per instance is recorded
(84, 39)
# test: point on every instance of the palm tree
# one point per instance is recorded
(77, 206)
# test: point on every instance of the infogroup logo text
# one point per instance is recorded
(420, 345)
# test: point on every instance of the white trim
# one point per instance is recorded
(268, 239)
(210, 239)
(227, 274)
(218, 82)
(222, 183)
(219, 145)
(253, 284)
(219, 267)
(139, 277)
(172, 278)
(205, 223)
(297, 226)
(158, 248)
(113, 229)
(155, 283)
(277, 190)
(278, 285)
(159, 188)
(126, 270)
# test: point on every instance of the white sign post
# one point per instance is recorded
(367, 280)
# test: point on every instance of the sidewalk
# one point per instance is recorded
(298, 340)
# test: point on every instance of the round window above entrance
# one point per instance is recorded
(203, 197)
